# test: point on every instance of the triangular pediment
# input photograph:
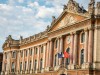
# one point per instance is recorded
(66, 18)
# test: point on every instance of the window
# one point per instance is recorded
(30, 51)
(36, 50)
(56, 60)
(30, 65)
(82, 38)
(42, 49)
(20, 66)
(68, 59)
(41, 61)
(35, 64)
(21, 53)
(56, 43)
(13, 67)
(82, 56)
(5, 55)
(13, 54)
(25, 65)
(5, 66)
(26, 53)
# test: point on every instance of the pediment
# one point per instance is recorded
(65, 19)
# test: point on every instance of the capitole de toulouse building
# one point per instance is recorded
(76, 31)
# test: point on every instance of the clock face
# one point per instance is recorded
(68, 39)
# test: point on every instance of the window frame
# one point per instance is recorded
(82, 56)
(82, 38)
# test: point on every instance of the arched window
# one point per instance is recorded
(35, 64)
(55, 60)
(68, 59)
(56, 43)
(41, 62)
(82, 38)
(82, 56)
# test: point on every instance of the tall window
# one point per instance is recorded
(41, 61)
(26, 53)
(31, 52)
(36, 50)
(30, 65)
(68, 59)
(5, 55)
(56, 60)
(5, 66)
(82, 38)
(13, 54)
(20, 66)
(21, 53)
(82, 56)
(25, 65)
(13, 67)
(42, 49)
(56, 43)
(35, 64)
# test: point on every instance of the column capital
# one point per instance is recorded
(85, 29)
(72, 33)
(90, 28)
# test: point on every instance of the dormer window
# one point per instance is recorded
(82, 38)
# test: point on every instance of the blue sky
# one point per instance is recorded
(28, 17)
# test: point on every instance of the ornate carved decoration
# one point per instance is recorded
(73, 6)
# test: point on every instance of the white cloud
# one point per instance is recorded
(20, 1)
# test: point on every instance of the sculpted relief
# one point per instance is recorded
(67, 21)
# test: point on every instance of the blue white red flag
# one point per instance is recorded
(60, 55)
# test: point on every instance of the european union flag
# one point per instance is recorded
(60, 55)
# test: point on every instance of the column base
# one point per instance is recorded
(72, 67)
(88, 66)
(46, 69)
(2, 73)
(56, 68)
(96, 65)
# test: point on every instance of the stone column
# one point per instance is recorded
(23, 60)
(72, 49)
(86, 46)
(47, 57)
(27, 60)
(61, 49)
(75, 48)
(51, 54)
(38, 57)
(44, 50)
(32, 58)
(3, 63)
(90, 46)
(58, 51)
(18, 61)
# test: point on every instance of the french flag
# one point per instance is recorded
(65, 55)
